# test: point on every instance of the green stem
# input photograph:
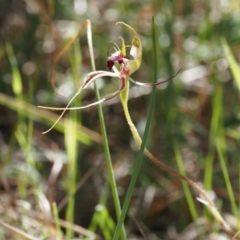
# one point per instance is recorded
(105, 140)
(141, 144)
(164, 167)
(124, 100)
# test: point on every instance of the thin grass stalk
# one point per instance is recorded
(104, 221)
(95, 222)
(232, 62)
(71, 143)
(186, 190)
(187, 193)
(16, 76)
(22, 183)
(217, 130)
(221, 146)
(57, 222)
(141, 151)
(84, 135)
(17, 89)
(105, 140)
(101, 218)
(29, 158)
(208, 168)
(16, 231)
(217, 111)
(234, 66)
(24, 139)
(214, 125)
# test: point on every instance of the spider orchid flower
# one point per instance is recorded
(127, 67)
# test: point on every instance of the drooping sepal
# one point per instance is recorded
(135, 51)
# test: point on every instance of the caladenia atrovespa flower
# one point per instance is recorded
(127, 66)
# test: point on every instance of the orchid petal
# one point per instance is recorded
(122, 86)
(123, 51)
(75, 108)
(88, 79)
(153, 84)
(64, 110)
(133, 52)
(136, 50)
(97, 74)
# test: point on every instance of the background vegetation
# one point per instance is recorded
(195, 127)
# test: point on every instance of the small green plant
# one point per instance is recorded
(125, 68)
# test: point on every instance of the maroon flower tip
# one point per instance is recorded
(115, 59)
(110, 64)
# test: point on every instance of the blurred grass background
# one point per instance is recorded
(196, 124)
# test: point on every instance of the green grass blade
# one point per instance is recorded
(71, 147)
(16, 76)
(216, 115)
(95, 222)
(217, 130)
(29, 158)
(71, 139)
(221, 146)
(102, 220)
(140, 155)
(186, 188)
(232, 62)
(235, 134)
(41, 115)
(56, 219)
(232, 133)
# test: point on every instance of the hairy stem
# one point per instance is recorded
(205, 198)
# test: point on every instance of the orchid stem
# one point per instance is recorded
(105, 140)
(211, 206)
(209, 203)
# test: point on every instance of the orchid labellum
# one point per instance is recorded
(127, 67)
